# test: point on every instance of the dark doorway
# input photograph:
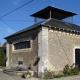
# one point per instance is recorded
(77, 57)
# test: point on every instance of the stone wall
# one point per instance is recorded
(58, 51)
(42, 50)
(61, 47)
(25, 55)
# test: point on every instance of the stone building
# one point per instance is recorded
(54, 40)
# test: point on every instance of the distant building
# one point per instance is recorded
(3, 48)
(56, 42)
(0, 45)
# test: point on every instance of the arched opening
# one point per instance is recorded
(77, 56)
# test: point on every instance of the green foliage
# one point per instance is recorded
(2, 58)
(66, 70)
(37, 61)
(59, 76)
(75, 71)
(49, 75)
(71, 70)
(28, 73)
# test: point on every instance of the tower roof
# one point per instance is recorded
(53, 12)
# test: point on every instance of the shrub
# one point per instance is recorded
(75, 71)
(49, 75)
(66, 70)
(59, 75)
(71, 70)
(37, 61)
(2, 58)
(27, 74)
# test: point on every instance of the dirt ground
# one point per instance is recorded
(4, 76)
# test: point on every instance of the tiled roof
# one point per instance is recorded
(53, 23)
(62, 25)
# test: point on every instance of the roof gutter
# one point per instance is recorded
(78, 32)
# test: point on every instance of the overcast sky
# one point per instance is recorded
(23, 14)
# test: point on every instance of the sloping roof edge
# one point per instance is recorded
(42, 23)
(61, 28)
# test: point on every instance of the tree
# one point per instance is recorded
(2, 58)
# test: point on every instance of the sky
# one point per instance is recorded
(21, 18)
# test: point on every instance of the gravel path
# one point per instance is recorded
(4, 76)
(77, 77)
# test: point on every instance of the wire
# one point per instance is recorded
(8, 25)
(16, 9)
(29, 21)
(19, 20)
(12, 12)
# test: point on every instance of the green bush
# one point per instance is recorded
(27, 74)
(59, 75)
(2, 58)
(67, 71)
(75, 71)
(71, 70)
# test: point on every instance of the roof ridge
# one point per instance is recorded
(65, 21)
(46, 21)
(64, 9)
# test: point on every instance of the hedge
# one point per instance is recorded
(2, 58)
